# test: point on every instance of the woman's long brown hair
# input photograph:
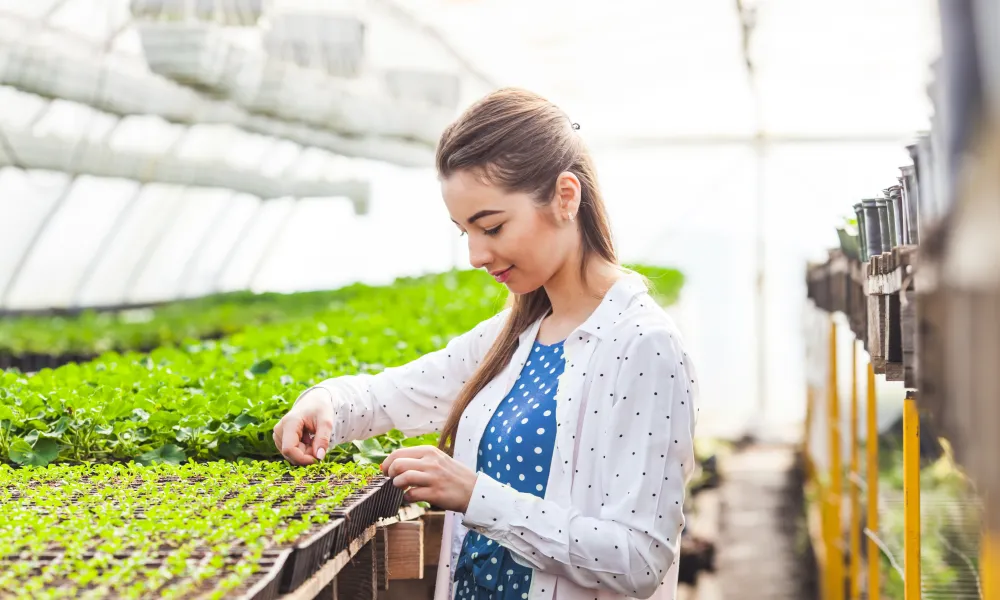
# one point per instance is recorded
(521, 142)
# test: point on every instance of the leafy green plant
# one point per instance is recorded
(222, 398)
(89, 332)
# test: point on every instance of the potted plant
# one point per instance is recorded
(849, 242)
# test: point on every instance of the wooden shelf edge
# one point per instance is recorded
(326, 574)
(407, 512)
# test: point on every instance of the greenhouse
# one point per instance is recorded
(250, 305)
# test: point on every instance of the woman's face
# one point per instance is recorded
(517, 241)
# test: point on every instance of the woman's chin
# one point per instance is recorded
(516, 286)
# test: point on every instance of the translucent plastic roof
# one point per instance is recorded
(128, 186)
(649, 68)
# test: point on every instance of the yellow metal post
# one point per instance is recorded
(835, 553)
(855, 491)
(807, 435)
(874, 558)
(911, 496)
(825, 530)
(989, 565)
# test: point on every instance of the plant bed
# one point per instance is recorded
(85, 334)
(222, 398)
(32, 361)
(212, 530)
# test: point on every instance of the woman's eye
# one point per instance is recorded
(493, 231)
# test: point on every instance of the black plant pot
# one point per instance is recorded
(873, 228)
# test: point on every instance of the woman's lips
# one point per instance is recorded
(504, 275)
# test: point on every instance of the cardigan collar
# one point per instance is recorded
(600, 322)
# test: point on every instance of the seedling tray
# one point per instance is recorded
(262, 585)
(378, 500)
(84, 567)
(268, 587)
(309, 555)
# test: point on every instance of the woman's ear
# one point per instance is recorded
(567, 200)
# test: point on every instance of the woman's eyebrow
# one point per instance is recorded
(483, 213)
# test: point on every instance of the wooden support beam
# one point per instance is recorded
(412, 589)
(406, 550)
(433, 531)
(357, 580)
(908, 336)
(382, 558)
(876, 332)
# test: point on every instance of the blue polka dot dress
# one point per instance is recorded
(516, 449)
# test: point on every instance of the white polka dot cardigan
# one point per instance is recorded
(609, 524)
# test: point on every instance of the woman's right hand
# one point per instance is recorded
(303, 434)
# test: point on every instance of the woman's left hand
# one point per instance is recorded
(431, 476)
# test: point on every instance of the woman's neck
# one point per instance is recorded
(572, 300)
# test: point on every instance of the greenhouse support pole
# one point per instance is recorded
(234, 249)
(874, 556)
(275, 237)
(835, 546)
(190, 265)
(32, 244)
(854, 482)
(153, 244)
(911, 496)
(807, 433)
(989, 559)
(760, 279)
(107, 242)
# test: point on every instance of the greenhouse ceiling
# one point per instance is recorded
(148, 153)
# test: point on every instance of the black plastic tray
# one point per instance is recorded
(309, 555)
(268, 588)
(377, 500)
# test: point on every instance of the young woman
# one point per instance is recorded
(566, 420)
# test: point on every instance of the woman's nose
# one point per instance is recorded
(479, 254)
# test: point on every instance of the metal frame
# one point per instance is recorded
(151, 247)
(234, 249)
(840, 577)
(29, 248)
(393, 149)
(33, 121)
(106, 243)
(275, 236)
(189, 265)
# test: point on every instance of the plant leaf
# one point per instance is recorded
(262, 367)
(230, 448)
(44, 451)
(168, 453)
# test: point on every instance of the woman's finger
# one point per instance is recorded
(290, 444)
(401, 465)
(418, 494)
(410, 452)
(413, 477)
(276, 434)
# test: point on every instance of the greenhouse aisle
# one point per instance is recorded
(760, 554)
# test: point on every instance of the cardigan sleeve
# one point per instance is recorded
(414, 398)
